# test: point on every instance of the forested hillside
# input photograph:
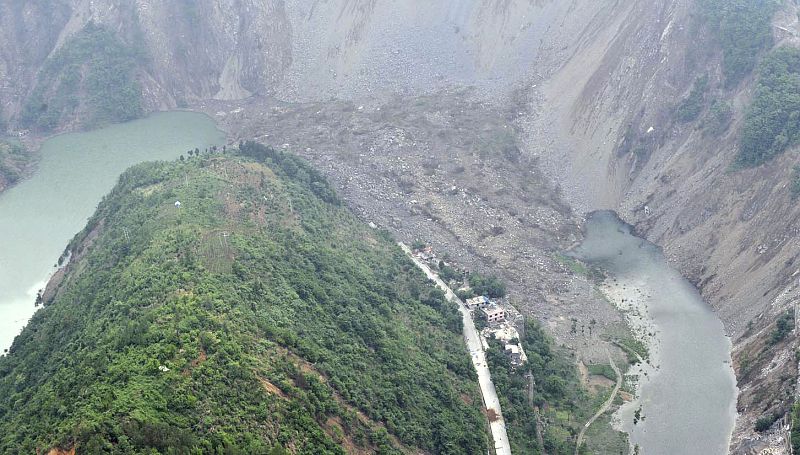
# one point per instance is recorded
(91, 77)
(13, 161)
(256, 316)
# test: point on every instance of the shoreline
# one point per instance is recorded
(33, 142)
(631, 298)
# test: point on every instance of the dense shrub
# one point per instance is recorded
(764, 422)
(557, 389)
(93, 74)
(259, 315)
(719, 116)
(743, 30)
(783, 326)
(691, 107)
(490, 286)
(772, 121)
(13, 159)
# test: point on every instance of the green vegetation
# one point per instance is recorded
(743, 30)
(260, 315)
(13, 159)
(602, 369)
(579, 268)
(448, 273)
(92, 77)
(796, 427)
(795, 185)
(634, 349)
(564, 406)
(783, 326)
(719, 117)
(772, 121)
(557, 387)
(764, 422)
(490, 286)
(690, 108)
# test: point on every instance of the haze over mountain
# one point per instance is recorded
(487, 129)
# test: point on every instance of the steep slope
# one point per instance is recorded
(625, 105)
(187, 50)
(654, 123)
(13, 161)
(257, 315)
(299, 50)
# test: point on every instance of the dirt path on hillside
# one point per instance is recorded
(605, 406)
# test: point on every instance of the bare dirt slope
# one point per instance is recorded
(604, 129)
(307, 50)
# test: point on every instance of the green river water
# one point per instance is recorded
(40, 215)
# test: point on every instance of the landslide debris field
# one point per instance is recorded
(448, 169)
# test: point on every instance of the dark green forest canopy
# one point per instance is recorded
(772, 121)
(743, 30)
(93, 75)
(13, 159)
(260, 315)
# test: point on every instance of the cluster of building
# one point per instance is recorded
(507, 334)
(425, 253)
(495, 314)
(488, 309)
(498, 327)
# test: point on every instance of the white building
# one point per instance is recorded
(477, 302)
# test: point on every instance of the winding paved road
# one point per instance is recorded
(473, 340)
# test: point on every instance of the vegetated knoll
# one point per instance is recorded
(258, 316)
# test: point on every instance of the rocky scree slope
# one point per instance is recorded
(303, 51)
(650, 123)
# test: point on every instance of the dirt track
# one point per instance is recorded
(604, 408)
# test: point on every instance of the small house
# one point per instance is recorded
(477, 302)
(493, 313)
(515, 354)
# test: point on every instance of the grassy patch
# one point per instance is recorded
(719, 117)
(579, 268)
(601, 441)
(602, 369)
(690, 108)
(633, 348)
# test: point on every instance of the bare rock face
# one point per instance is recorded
(190, 50)
(308, 50)
(222, 49)
(28, 33)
